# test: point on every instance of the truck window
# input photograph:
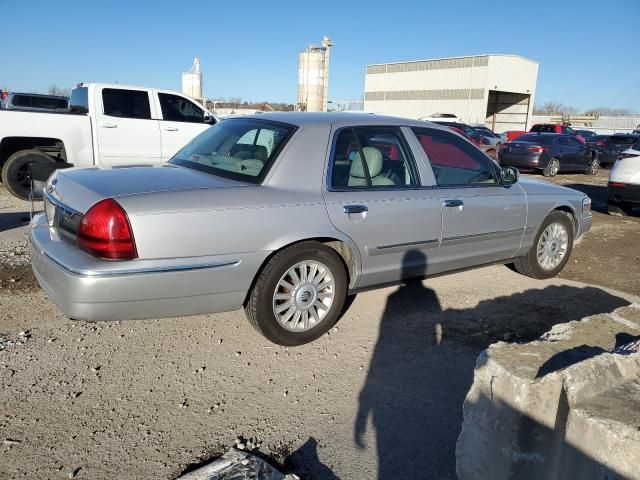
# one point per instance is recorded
(178, 109)
(21, 101)
(79, 102)
(49, 102)
(126, 103)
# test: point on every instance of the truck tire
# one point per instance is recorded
(282, 303)
(15, 172)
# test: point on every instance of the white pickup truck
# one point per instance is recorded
(105, 125)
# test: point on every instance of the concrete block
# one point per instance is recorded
(564, 406)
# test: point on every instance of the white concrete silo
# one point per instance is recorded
(192, 81)
(313, 77)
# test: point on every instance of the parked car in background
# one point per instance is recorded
(486, 143)
(613, 145)
(441, 117)
(486, 130)
(549, 153)
(257, 212)
(33, 102)
(546, 128)
(623, 189)
(586, 134)
(105, 125)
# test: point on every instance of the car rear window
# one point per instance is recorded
(79, 102)
(544, 128)
(620, 140)
(239, 149)
(534, 138)
(49, 102)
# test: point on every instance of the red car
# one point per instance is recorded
(546, 128)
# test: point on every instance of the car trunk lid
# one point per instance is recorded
(79, 189)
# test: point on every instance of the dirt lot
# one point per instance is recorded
(380, 395)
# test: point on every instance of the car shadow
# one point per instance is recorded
(423, 362)
(11, 220)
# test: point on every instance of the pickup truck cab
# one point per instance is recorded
(545, 128)
(105, 125)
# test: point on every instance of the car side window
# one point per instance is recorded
(575, 143)
(126, 103)
(178, 109)
(372, 157)
(454, 161)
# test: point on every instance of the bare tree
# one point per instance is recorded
(61, 92)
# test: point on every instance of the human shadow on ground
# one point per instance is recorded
(423, 363)
(11, 220)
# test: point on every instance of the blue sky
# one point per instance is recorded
(587, 50)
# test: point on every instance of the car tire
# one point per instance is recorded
(15, 171)
(593, 167)
(619, 209)
(272, 287)
(533, 265)
(552, 168)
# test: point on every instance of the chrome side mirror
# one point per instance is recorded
(509, 175)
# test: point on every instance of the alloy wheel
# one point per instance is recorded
(303, 296)
(552, 246)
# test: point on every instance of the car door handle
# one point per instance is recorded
(453, 203)
(109, 125)
(171, 129)
(355, 209)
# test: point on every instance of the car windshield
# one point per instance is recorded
(239, 149)
(536, 138)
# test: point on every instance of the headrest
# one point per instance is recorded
(374, 162)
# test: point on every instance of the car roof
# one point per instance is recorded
(301, 119)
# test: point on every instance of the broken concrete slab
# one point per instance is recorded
(566, 403)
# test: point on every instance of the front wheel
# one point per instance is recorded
(551, 248)
(552, 169)
(299, 295)
(593, 167)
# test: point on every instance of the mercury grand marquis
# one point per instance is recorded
(286, 214)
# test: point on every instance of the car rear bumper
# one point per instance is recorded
(85, 288)
(623, 192)
(584, 225)
(521, 161)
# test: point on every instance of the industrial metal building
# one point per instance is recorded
(495, 90)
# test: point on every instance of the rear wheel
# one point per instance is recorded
(551, 248)
(299, 294)
(552, 169)
(593, 167)
(16, 175)
(619, 209)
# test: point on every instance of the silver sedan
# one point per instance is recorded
(286, 214)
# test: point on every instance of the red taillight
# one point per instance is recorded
(617, 184)
(538, 149)
(105, 232)
(600, 143)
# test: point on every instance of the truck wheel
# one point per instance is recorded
(299, 294)
(552, 169)
(15, 172)
(551, 248)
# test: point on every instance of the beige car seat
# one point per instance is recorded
(374, 163)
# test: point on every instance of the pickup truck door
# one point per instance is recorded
(392, 218)
(482, 220)
(180, 122)
(125, 129)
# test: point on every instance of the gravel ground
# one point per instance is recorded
(379, 395)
